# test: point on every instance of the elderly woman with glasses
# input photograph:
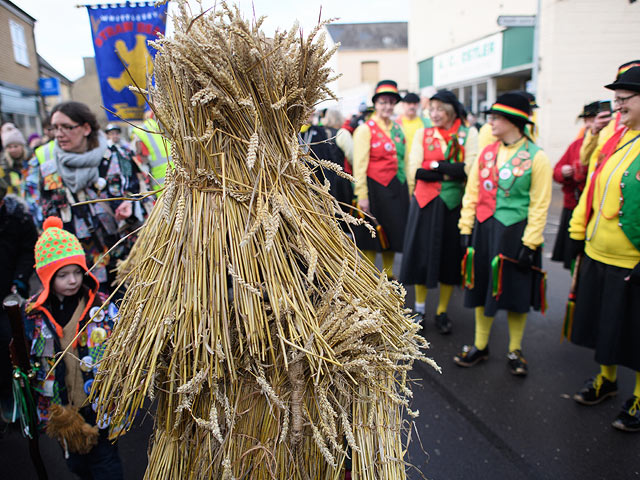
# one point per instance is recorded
(380, 183)
(78, 166)
(605, 227)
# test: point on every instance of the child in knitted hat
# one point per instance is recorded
(67, 313)
(15, 156)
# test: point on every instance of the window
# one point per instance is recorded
(369, 72)
(20, 52)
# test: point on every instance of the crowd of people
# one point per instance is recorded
(86, 191)
(468, 206)
(465, 204)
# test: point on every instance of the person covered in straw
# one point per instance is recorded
(438, 164)
(78, 167)
(572, 175)
(70, 313)
(504, 211)
(380, 182)
(606, 225)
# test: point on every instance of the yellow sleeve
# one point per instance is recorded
(485, 137)
(415, 159)
(345, 143)
(470, 149)
(577, 227)
(361, 147)
(469, 202)
(589, 144)
(539, 200)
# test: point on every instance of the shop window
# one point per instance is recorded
(20, 51)
(369, 72)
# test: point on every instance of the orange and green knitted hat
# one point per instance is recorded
(56, 248)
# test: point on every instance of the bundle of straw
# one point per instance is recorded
(272, 348)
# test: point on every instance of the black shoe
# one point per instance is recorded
(443, 324)
(596, 390)
(418, 317)
(470, 355)
(628, 420)
(517, 363)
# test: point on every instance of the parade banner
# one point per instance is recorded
(120, 35)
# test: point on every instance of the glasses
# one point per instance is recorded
(622, 100)
(63, 128)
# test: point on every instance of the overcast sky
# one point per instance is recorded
(63, 34)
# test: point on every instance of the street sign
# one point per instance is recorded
(517, 20)
(49, 86)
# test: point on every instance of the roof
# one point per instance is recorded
(47, 66)
(17, 11)
(370, 36)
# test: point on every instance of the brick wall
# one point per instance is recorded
(10, 70)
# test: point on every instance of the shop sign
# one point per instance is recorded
(49, 86)
(477, 59)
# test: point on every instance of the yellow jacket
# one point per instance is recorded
(410, 128)
(605, 240)
(361, 147)
(417, 153)
(539, 195)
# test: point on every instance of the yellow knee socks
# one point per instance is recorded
(371, 255)
(421, 298)
(636, 391)
(445, 296)
(517, 322)
(387, 262)
(483, 328)
(610, 372)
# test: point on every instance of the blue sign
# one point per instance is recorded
(49, 86)
(123, 58)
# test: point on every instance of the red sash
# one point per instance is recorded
(383, 158)
(425, 192)
(487, 162)
(607, 150)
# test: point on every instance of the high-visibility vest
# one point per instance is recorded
(159, 150)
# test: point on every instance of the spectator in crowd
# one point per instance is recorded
(440, 158)
(572, 175)
(15, 156)
(34, 141)
(605, 227)
(152, 150)
(380, 182)
(18, 237)
(70, 305)
(505, 207)
(410, 121)
(79, 167)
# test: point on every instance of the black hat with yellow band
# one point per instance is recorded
(386, 87)
(628, 80)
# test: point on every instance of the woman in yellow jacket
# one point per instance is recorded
(505, 206)
(380, 181)
(606, 224)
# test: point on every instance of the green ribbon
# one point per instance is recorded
(25, 402)
(495, 270)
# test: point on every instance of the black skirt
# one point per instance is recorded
(607, 314)
(389, 205)
(520, 289)
(562, 251)
(432, 252)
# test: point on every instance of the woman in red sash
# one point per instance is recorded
(606, 225)
(505, 206)
(380, 183)
(440, 158)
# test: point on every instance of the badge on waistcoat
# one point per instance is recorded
(505, 174)
(487, 185)
(488, 156)
(518, 172)
(515, 162)
(388, 146)
(526, 164)
(485, 172)
(524, 155)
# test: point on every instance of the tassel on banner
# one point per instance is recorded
(468, 270)
(497, 265)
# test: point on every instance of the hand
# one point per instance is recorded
(634, 276)
(364, 205)
(566, 170)
(601, 121)
(465, 241)
(429, 175)
(124, 210)
(525, 258)
(577, 247)
(453, 170)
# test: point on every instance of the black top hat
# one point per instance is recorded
(531, 97)
(590, 110)
(447, 96)
(411, 98)
(515, 107)
(386, 87)
(628, 80)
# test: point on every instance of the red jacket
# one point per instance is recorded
(571, 186)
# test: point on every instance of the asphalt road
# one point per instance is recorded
(477, 423)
